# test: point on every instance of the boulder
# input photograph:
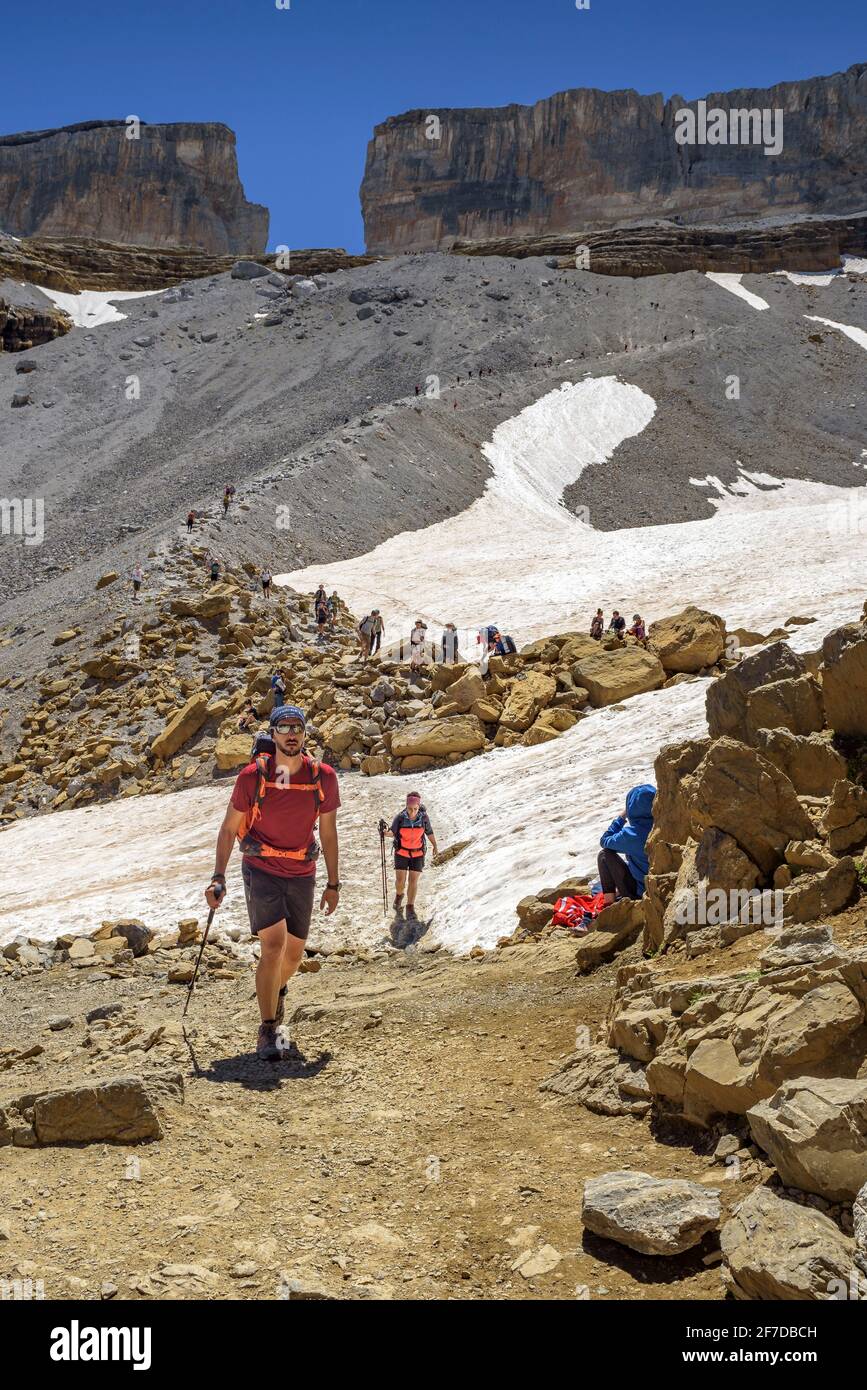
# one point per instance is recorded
(844, 823)
(815, 1133)
(844, 680)
(688, 641)
(436, 738)
(467, 689)
(123, 1110)
(611, 676)
(614, 928)
(740, 793)
(188, 720)
(135, 933)
(106, 579)
(216, 600)
(726, 703)
(233, 749)
(602, 1081)
(249, 270)
(526, 698)
(655, 1216)
(340, 734)
(821, 894)
(375, 765)
(778, 1250)
(794, 704)
(811, 764)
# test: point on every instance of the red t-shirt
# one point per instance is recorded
(286, 818)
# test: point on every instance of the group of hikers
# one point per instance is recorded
(618, 626)
(283, 797)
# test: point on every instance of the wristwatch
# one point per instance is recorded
(335, 887)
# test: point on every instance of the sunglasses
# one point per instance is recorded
(289, 729)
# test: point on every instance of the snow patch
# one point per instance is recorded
(93, 308)
(732, 283)
(858, 335)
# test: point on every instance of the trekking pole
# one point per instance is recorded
(384, 874)
(191, 985)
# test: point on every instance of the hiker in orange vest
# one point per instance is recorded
(409, 828)
(276, 803)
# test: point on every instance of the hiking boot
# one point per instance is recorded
(398, 907)
(266, 1043)
(281, 1006)
(411, 914)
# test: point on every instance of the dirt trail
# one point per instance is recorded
(405, 1151)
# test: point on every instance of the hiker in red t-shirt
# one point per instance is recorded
(275, 805)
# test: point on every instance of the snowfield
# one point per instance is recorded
(518, 558)
(93, 308)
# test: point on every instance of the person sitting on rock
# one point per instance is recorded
(638, 630)
(248, 716)
(597, 626)
(504, 645)
(622, 859)
(617, 624)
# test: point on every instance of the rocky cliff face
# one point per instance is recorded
(175, 185)
(585, 158)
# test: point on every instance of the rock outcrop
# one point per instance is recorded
(665, 248)
(591, 159)
(71, 264)
(168, 185)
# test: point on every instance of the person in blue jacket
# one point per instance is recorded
(622, 859)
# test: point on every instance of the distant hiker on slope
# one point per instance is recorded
(627, 836)
(137, 581)
(365, 631)
(191, 517)
(320, 608)
(266, 583)
(226, 501)
(449, 644)
(274, 808)
(409, 829)
(333, 608)
(215, 570)
(278, 688)
(597, 626)
(376, 631)
(416, 642)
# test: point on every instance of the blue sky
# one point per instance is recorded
(304, 87)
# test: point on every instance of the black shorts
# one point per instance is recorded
(270, 899)
(403, 861)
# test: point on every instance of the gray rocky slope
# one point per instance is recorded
(262, 402)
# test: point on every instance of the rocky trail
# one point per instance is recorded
(403, 1151)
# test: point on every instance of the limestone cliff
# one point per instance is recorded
(586, 159)
(174, 185)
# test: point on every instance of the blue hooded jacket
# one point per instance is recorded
(628, 834)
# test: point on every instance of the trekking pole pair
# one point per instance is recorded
(382, 829)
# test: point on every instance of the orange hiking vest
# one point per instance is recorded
(248, 842)
(411, 840)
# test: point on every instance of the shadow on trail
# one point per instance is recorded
(404, 933)
(247, 1070)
